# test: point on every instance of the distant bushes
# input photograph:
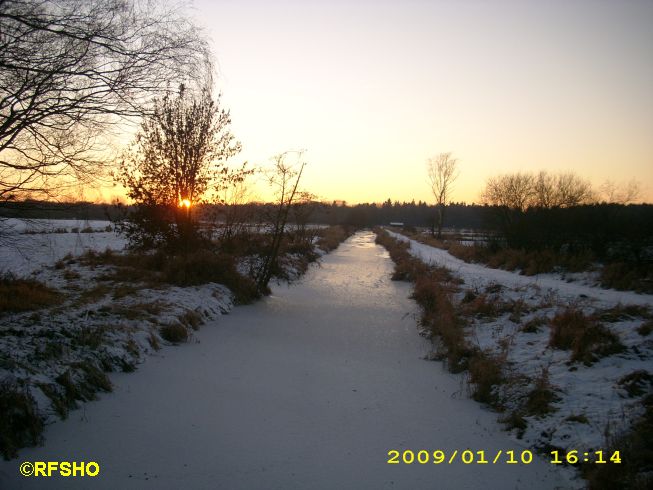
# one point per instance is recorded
(331, 237)
(619, 237)
(616, 240)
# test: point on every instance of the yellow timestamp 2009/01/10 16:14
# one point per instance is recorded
(525, 456)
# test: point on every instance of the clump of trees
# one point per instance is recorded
(177, 168)
(520, 191)
(563, 215)
(180, 151)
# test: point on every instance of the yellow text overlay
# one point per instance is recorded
(59, 468)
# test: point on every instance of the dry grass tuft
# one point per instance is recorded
(587, 339)
(645, 328)
(485, 372)
(515, 420)
(174, 333)
(636, 468)
(541, 397)
(20, 423)
(18, 294)
(627, 277)
(200, 267)
(481, 306)
(533, 325)
(637, 383)
(191, 319)
(621, 312)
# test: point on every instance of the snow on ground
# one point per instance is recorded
(30, 245)
(103, 321)
(591, 399)
(106, 322)
(307, 389)
(40, 225)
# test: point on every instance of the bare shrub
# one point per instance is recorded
(205, 266)
(200, 267)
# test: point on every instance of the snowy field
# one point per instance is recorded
(593, 400)
(30, 245)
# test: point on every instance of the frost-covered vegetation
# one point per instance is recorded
(568, 366)
(68, 323)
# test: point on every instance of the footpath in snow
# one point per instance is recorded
(307, 389)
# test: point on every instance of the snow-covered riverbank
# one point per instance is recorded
(596, 384)
(307, 389)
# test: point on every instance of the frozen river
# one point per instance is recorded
(307, 389)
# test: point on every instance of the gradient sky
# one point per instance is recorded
(371, 89)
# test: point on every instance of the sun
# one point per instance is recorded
(184, 203)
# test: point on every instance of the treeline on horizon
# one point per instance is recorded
(602, 228)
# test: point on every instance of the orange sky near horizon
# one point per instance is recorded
(371, 89)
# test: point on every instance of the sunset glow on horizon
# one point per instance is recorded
(373, 89)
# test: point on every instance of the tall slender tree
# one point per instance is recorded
(284, 177)
(442, 171)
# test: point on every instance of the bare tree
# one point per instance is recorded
(284, 177)
(181, 148)
(620, 193)
(302, 209)
(70, 70)
(442, 171)
(232, 192)
(561, 190)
